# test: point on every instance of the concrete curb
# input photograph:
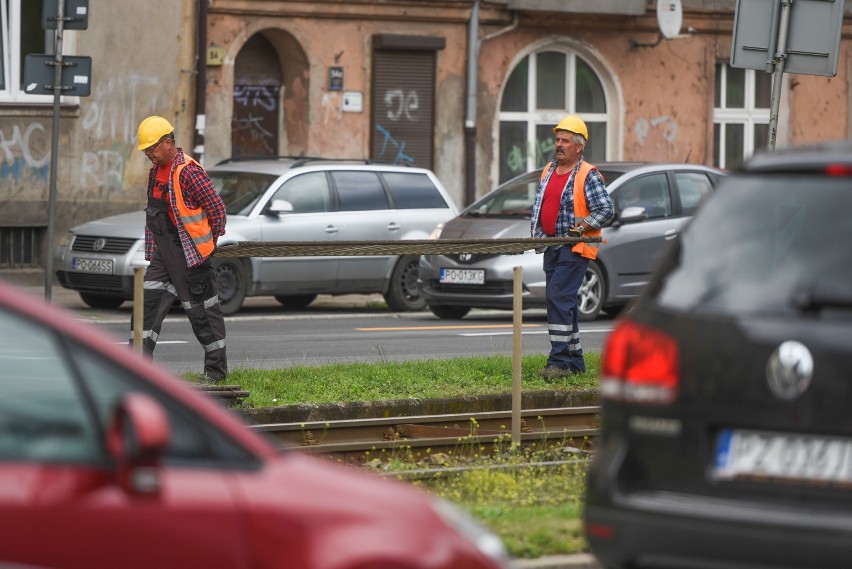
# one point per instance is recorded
(574, 561)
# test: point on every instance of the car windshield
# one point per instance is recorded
(241, 190)
(764, 244)
(515, 198)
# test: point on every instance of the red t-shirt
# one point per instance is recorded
(161, 186)
(550, 202)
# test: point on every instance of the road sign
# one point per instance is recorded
(813, 35)
(76, 14)
(39, 75)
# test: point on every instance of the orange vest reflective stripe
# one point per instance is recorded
(194, 220)
(587, 250)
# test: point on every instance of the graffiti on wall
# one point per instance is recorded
(392, 150)
(112, 115)
(400, 106)
(24, 150)
(254, 126)
(514, 162)
(666, 125)
(108, 123)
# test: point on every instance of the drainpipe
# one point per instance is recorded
(200, 81)
(470, 111)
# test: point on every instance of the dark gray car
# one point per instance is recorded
(652, 202)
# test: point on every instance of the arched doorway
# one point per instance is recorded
(257, 100)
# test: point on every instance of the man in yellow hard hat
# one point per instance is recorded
(571, 201)
(184, 218)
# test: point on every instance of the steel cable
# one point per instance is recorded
(399, 247)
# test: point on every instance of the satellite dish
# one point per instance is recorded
(669, 17)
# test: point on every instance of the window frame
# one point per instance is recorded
(749, 115)
(534, 117)
(11, 66)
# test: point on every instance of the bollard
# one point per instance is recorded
(138, 305)
(517, 352)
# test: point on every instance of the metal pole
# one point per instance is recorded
(778, 72)
(470, 107)
(517, 352)
(54, 152)
(138, 306)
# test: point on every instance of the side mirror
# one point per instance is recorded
(632, 214)
(278, 207)
(137, 437)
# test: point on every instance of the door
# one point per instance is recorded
(311, 219)
(60, 503)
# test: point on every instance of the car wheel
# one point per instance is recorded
(232, 282)
(590, 297)
(403, 293)
(449, 312)
(101, 300)
(295, 301)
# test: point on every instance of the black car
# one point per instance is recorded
(726, 387)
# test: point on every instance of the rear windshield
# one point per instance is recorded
(764, 244)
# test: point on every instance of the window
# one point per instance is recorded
(650, 192)
(18, 247)
(308, 193)
(692, 188)
(541, 89)
(359, 191)
(43, 414)
(413, 191)
(20, 34)
(740, 114)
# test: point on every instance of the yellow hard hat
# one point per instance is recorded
(152, 129)
(573, 124)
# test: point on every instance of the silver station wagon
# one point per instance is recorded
(285, 199)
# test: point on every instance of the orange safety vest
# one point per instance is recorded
(587, 250)
(194, 220)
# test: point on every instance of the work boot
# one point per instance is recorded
(552, 372)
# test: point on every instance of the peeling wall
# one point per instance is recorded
(137, 70)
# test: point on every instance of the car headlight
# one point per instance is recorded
(489, 544)
(436, 233)
(67, 239)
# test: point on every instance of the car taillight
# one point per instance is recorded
(841, 170)
(640, 365)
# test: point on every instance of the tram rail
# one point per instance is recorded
(357, 440)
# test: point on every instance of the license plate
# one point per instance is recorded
(783, 456)
(462, 276)
(92, 265)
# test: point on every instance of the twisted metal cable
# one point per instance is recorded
(400, 247)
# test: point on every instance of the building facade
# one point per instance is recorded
(469, 88)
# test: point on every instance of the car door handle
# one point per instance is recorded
(392, 226)
(671, 233)
(331, 229)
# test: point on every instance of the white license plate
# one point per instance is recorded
(462, 276)
(92, 265)
(783, 456)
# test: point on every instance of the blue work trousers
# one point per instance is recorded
(564, 271)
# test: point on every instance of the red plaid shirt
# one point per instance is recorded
(198, 191)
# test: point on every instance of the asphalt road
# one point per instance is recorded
(350, 328)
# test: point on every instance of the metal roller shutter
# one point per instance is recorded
(403, 99)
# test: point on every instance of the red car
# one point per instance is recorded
(107, 460)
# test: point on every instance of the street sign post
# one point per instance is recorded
(793, 36)
(40, 70)
(58, 75)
